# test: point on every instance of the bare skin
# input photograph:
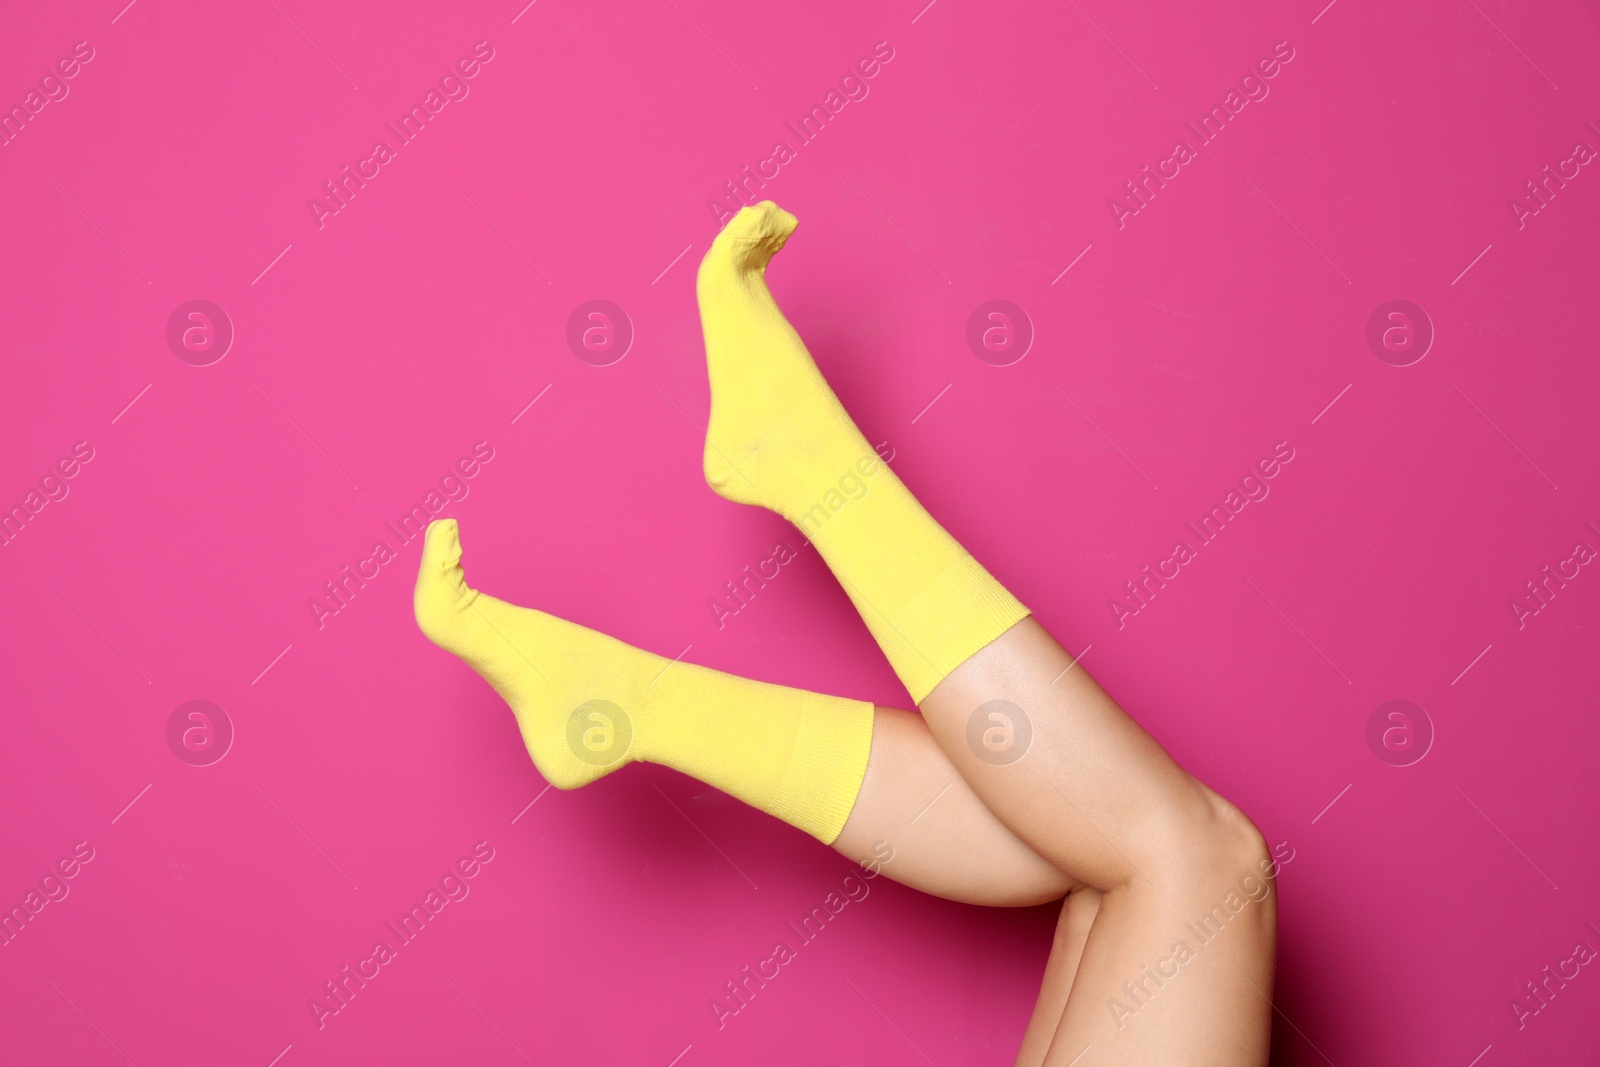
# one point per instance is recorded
(1164, 951)
(1103, 802)
(1094, 810)
(915, 806)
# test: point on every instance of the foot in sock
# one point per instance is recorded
(587, 703)
(778, 437)
(544, 667)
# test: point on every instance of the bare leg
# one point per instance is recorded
(1178, 961)
(919, 822)
(1078, 912)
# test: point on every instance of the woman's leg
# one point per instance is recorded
(919, 822)
(871, 782)
(1078, 912)
(1177, 962)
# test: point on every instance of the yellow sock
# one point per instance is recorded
(779, 438)
(587, 704)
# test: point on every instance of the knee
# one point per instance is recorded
(1212, 842)
(1238, 839)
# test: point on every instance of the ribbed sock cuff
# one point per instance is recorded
(819, 785)
(959, 612)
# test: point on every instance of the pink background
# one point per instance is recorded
(425, 316)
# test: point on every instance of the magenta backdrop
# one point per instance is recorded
(1175, 338)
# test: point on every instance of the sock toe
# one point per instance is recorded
(442, 593)
(753, 236)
